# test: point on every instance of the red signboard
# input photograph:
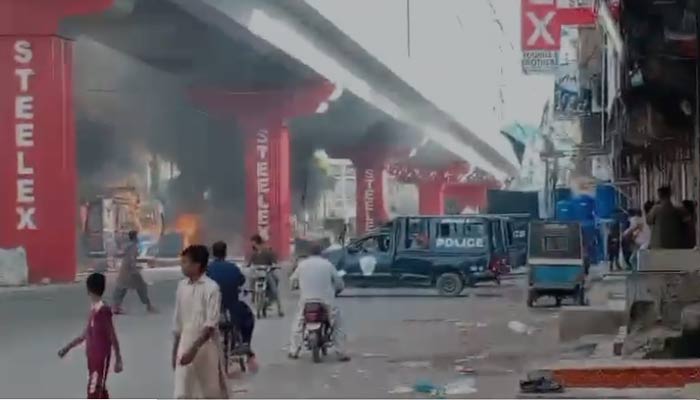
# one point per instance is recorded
(540, 28)
(541, 21)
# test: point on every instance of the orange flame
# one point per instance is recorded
(189, 226)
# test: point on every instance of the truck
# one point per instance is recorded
(109, 218)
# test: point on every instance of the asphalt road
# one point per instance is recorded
(396, 338)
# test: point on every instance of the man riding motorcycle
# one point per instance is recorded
(264, 257)
(318, 282)
(230, 280)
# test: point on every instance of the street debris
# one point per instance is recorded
(374, 355)
(541, 385)
(467, 359)
(427, 387)
(464, 370)
(461, 387)
(401, 390)
(519, 327)
(416, 364)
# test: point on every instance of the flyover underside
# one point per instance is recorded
(185, 95)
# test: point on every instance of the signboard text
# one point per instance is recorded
(262, 174)
(460, 243)
(24, 135)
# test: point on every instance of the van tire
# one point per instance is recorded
(449, 284)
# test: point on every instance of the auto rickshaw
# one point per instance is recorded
(558, 263)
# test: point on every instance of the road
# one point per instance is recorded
(396, 338)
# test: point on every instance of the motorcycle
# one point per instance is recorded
(318, 330)
(262, 296)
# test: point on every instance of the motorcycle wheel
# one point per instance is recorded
(315, 342)
(260, 305)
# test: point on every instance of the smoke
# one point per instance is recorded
(128, 111)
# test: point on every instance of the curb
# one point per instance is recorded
(626, 375)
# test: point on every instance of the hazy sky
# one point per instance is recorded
(455, 56)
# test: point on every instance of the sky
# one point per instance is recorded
(459, 55)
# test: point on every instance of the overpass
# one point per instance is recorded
(266, 67)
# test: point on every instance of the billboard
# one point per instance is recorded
(541, 28)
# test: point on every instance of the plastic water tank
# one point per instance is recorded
(605, 200)
(583, 208)
(562, 193)
(564, 211)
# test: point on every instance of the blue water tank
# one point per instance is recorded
(564, 211)
(583, 207)
(562, 193)
(605, 200)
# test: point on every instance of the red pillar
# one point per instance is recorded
(263, 115)
(369, 195)
(431, 197)
(268, 192)
(468, 195)
(38, 199)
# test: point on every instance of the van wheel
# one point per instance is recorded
(449, 284)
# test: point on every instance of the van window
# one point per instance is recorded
(474, 229)
(374, 244)
(497, 235)
(556, 243)
(460, 234)
(417, 236)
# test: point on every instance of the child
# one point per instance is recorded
(100, 338)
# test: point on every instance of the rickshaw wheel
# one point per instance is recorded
(581, 296)
(449, 284)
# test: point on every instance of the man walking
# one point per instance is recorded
(130, 277)
(667, 222)
(196, 356)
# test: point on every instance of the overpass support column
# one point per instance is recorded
(431, 198)
(267, 186)
(38, 177)
(263, 116)
(468, 195)
(369, 195)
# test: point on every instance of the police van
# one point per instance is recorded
(445, 252)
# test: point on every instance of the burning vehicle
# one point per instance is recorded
(108, 218)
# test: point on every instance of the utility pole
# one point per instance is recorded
(408, 28)
(696, 136)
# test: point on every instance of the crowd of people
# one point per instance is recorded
(207, 306)
(658, 225)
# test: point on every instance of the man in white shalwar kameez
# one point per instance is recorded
(196, 356)
(318, 281)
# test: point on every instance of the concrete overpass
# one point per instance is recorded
(257, 63)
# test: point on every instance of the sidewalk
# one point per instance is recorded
(150, 275)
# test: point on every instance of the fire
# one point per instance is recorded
(189, 226)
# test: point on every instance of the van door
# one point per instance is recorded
(414, 260)
(368, 260)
